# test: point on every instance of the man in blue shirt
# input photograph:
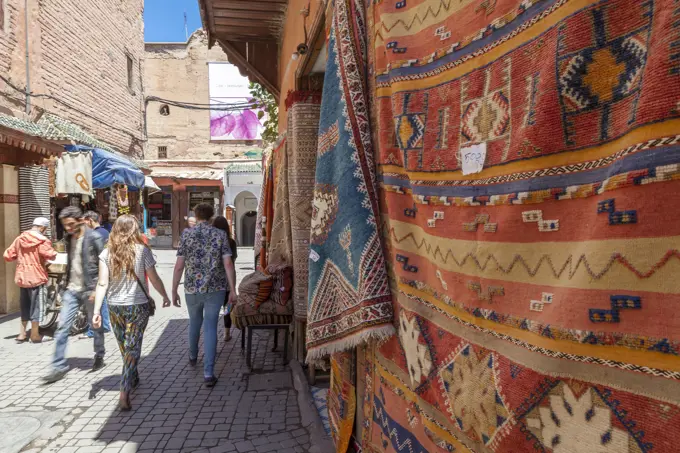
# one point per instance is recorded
(92, 220)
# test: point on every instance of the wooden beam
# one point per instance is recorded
(315, 42)
(249, 4)
(260, 28)
(235, 37)
(252, 15)
(231, 34)
(244, 23)
(236, 57)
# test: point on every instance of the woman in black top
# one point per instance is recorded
(223, 224)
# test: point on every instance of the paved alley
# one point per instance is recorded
(172, 410)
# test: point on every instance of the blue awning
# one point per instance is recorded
(109, 168)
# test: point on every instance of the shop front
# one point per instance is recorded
(19, 149)
(169, 209)
(159, 217)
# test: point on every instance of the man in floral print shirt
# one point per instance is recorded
(204, 256)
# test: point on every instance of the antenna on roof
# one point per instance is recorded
(186, 27)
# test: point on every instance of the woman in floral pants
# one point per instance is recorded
(123, 269)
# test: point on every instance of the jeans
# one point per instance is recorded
(106, 321)
(70, 304)
(204, 309)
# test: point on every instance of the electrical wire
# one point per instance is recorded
(226, 107)
(156, 98)
(66, 104)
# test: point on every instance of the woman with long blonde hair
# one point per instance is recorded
(123, 269)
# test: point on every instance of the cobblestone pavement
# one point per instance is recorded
(172, 410)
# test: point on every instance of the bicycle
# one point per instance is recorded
(52, 306)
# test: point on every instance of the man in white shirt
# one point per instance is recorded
(83, 246)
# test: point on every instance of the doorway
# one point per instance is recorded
(248, 222)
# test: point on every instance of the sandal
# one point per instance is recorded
(21, 340)
(124, 406)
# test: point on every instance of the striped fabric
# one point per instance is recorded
(529, 161)
(34, 196)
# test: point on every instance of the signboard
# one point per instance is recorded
(228, 87)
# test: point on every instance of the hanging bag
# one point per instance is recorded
(152, 303)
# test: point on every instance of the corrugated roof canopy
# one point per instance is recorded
(244, 167)
(249, 32)
(214, 175)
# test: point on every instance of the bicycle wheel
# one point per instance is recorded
(50, 307)
(80, 323)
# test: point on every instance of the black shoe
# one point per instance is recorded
(54, 376)
(98, 363)
(193, 362)
(210, 382)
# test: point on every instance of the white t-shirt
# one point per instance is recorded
(76, 279)
(125, 290)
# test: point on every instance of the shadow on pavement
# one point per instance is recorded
(173, 411)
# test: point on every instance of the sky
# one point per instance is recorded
(164, 19)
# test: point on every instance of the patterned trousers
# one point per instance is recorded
(129, 322)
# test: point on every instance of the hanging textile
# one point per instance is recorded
(280, 244)
(529, 160)
(113, 204)
(349, 296)
(51, 165)
(34, 196)
(342, 400)
(122, 200)
(263, 215)
(110, 168)
(74, 173)
(303, 126)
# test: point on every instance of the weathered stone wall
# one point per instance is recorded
(179, 72)
(78, 53)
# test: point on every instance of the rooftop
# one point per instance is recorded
(54, 128)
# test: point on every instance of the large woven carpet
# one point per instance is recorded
(349, 299)
(537, 300)
(303, 126)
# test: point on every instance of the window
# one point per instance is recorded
(165, 110)
(162, 152)
(130, 73)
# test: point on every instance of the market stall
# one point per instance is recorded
(112, 185)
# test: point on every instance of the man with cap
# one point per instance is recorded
(31, 250)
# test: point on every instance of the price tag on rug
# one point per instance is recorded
(472, 158)
(314, 256)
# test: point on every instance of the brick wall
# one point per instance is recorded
(8, 36)
(179, 72)
(78, 53)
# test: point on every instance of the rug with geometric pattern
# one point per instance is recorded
(529, 162)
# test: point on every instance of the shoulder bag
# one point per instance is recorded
(152, 303)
